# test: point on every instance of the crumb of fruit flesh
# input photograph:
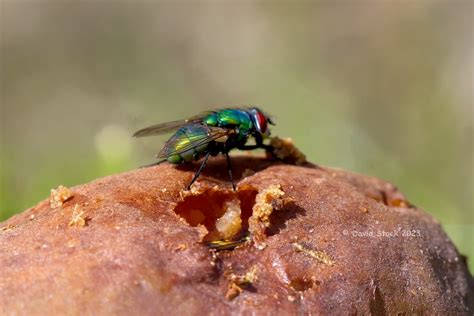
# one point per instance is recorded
(320, 256)
(238, 283)
(285, 149)
(266, 202)
(78, 219)
(59, 195)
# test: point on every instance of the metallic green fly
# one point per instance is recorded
(211, 133)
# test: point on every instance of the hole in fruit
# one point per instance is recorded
(225, 214)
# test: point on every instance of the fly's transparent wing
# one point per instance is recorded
(160, 128)
(192, 136)
(167, 127)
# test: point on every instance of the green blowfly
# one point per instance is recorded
(211, 133)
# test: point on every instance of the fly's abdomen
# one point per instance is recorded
(186, 144)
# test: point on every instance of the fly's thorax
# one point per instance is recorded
(231, 118)
(241, 137)
(211, 120)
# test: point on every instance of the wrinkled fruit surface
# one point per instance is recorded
(322, 241)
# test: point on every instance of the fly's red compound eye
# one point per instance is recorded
(261, 122)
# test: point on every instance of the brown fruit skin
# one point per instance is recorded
(136, 256)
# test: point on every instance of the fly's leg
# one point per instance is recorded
(229, 168)
(260, 146)
(268, 148)
(201, 167)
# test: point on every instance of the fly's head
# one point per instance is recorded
(260, 121)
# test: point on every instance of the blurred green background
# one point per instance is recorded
(381, 88)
